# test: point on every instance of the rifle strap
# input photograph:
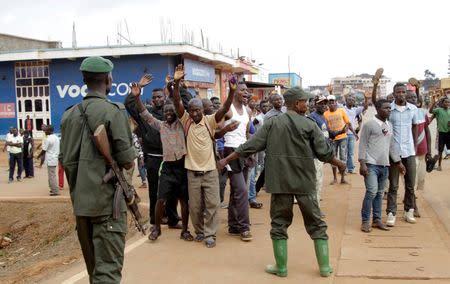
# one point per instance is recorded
(85, 119)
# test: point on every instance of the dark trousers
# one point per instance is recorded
(238, 215)
(152, 165)
(261, 180)
(102, 241)
(28, 167)
(223, 176)
(13, 160)
(410, 180)
(281, 214)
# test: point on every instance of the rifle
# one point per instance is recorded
(122, 187)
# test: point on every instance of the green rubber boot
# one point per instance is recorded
(280, 253)
(321, 248)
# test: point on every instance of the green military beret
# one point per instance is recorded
(96, 64)
(296, 93)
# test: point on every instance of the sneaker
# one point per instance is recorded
(390, 221)
(223, 205)
(10, 181)
(365, 227)
(246, 236)
(409, 216)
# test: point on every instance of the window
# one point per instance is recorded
(23, 82)
(38, 105)
(39, 122)
(48, 121)
(40, 81)
(35, 91)
(20, 124)
(20, 106)
(28, 106)
(19, 92)
(46, 105)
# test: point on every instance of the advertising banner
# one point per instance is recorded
(7, 110)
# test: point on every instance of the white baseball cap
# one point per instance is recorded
(331, 97)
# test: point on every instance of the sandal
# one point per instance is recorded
(210, 243)
(413, 81)
(377, 76)
(199, 238)
(186, 235)
(154, 234)
(256, 205)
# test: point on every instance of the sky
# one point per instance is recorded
(321, 38)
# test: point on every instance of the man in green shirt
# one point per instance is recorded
(102, 238)
(442, 115)
(292, 157)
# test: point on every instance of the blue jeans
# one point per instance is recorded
(374, 181)
(142, 173)
(340, 149)
(252, 185)
(350, 152)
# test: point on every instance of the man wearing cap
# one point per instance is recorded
(317, 115)
(338, 123)
(293, 157)
(102, 238)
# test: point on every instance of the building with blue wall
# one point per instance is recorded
(287, 80)
(44, 83)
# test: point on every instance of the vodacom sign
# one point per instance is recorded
(73, 91)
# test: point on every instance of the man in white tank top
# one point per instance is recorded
(238, 215)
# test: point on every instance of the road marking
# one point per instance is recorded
(77, 277)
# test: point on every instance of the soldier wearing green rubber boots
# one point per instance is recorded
(100, 233)
(290, 173)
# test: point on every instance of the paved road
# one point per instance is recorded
(417, 253)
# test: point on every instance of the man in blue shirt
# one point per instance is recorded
(404, 120)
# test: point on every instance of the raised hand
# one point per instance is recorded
(145, 80)
(232, 82)
(168, 78)
(179, 73)
(135, 89)
(330, 89)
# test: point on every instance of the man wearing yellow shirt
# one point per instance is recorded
(338, 123)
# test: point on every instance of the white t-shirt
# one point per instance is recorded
(51, 148)
(8, 136)
(15, 140)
